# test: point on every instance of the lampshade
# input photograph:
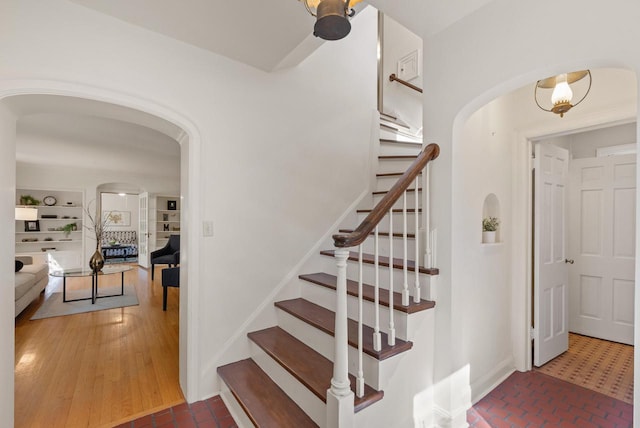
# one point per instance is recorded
(24, 213)
(562, 94)
(332, 17)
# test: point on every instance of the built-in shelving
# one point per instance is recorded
(46, 233)
(167, 219)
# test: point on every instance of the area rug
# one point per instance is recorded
(54, 307)
(599, 365)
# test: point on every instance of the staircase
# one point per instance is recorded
(290, 374)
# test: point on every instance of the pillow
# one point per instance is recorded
(19, 265)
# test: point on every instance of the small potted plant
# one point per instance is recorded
(489, 228)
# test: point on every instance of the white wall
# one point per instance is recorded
(282, 155)
(128, 203)
(7, 253)
(481, 272)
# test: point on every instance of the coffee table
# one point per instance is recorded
(79, 273)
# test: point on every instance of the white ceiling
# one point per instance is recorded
(262, 33)
(67, 132)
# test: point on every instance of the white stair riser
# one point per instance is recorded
(386, 183)
(393, 165)
(383, 247)
(398, 148)
(393, 131)
(237, 412)
(368, 275)
(324, 344)
(300, 394)
(411, 200)
(326, 298)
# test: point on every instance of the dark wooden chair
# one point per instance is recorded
(167, 255)
(170, 278)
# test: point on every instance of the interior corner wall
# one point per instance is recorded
(282, 154)
(7, 253)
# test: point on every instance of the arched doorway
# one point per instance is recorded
(189, 139)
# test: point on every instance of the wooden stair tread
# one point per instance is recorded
(390, 174)
(395, 235)
(397, 157)
(309, 367)
(384, 261)
(384, 192)
(395, 211)
(323, 319)
(393, 119)
(329, 281)
(262, 400)
(392, 141)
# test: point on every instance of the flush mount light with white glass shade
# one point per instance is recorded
(332, 17)
(562, 88)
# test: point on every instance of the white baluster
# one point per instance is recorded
(377, 337)
(360, 377)
(405, 285)
(391, 338)
(340, 385)
(416, 295)
(427, 218)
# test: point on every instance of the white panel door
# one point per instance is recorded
(602, 242)
(551, 275)
(143, 230)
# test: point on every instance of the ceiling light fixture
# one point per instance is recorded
(332, 17)
(562, 94)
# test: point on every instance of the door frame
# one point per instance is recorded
(522, 268)
(190, 142)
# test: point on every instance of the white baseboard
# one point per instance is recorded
(487, 383)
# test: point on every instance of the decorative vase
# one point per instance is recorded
(96, 262)
(489, 237)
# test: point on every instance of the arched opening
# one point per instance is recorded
(492, 154)
(145, 113)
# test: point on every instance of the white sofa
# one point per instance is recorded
(30, 282)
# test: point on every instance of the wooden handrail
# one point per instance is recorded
(345, 240)
(393, 77)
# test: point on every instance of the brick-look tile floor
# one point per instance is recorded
(535, 400)
(524, 400)
(211, 413)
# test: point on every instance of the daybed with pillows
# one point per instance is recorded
(31, 279)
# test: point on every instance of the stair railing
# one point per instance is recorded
(344, 241)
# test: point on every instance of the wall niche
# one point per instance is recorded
(490, 222)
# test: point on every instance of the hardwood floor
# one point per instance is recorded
(100, 368)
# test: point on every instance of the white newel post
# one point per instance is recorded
(339, 396)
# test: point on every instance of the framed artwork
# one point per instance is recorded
(32, 226)
(117, 218)
(172, 205)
